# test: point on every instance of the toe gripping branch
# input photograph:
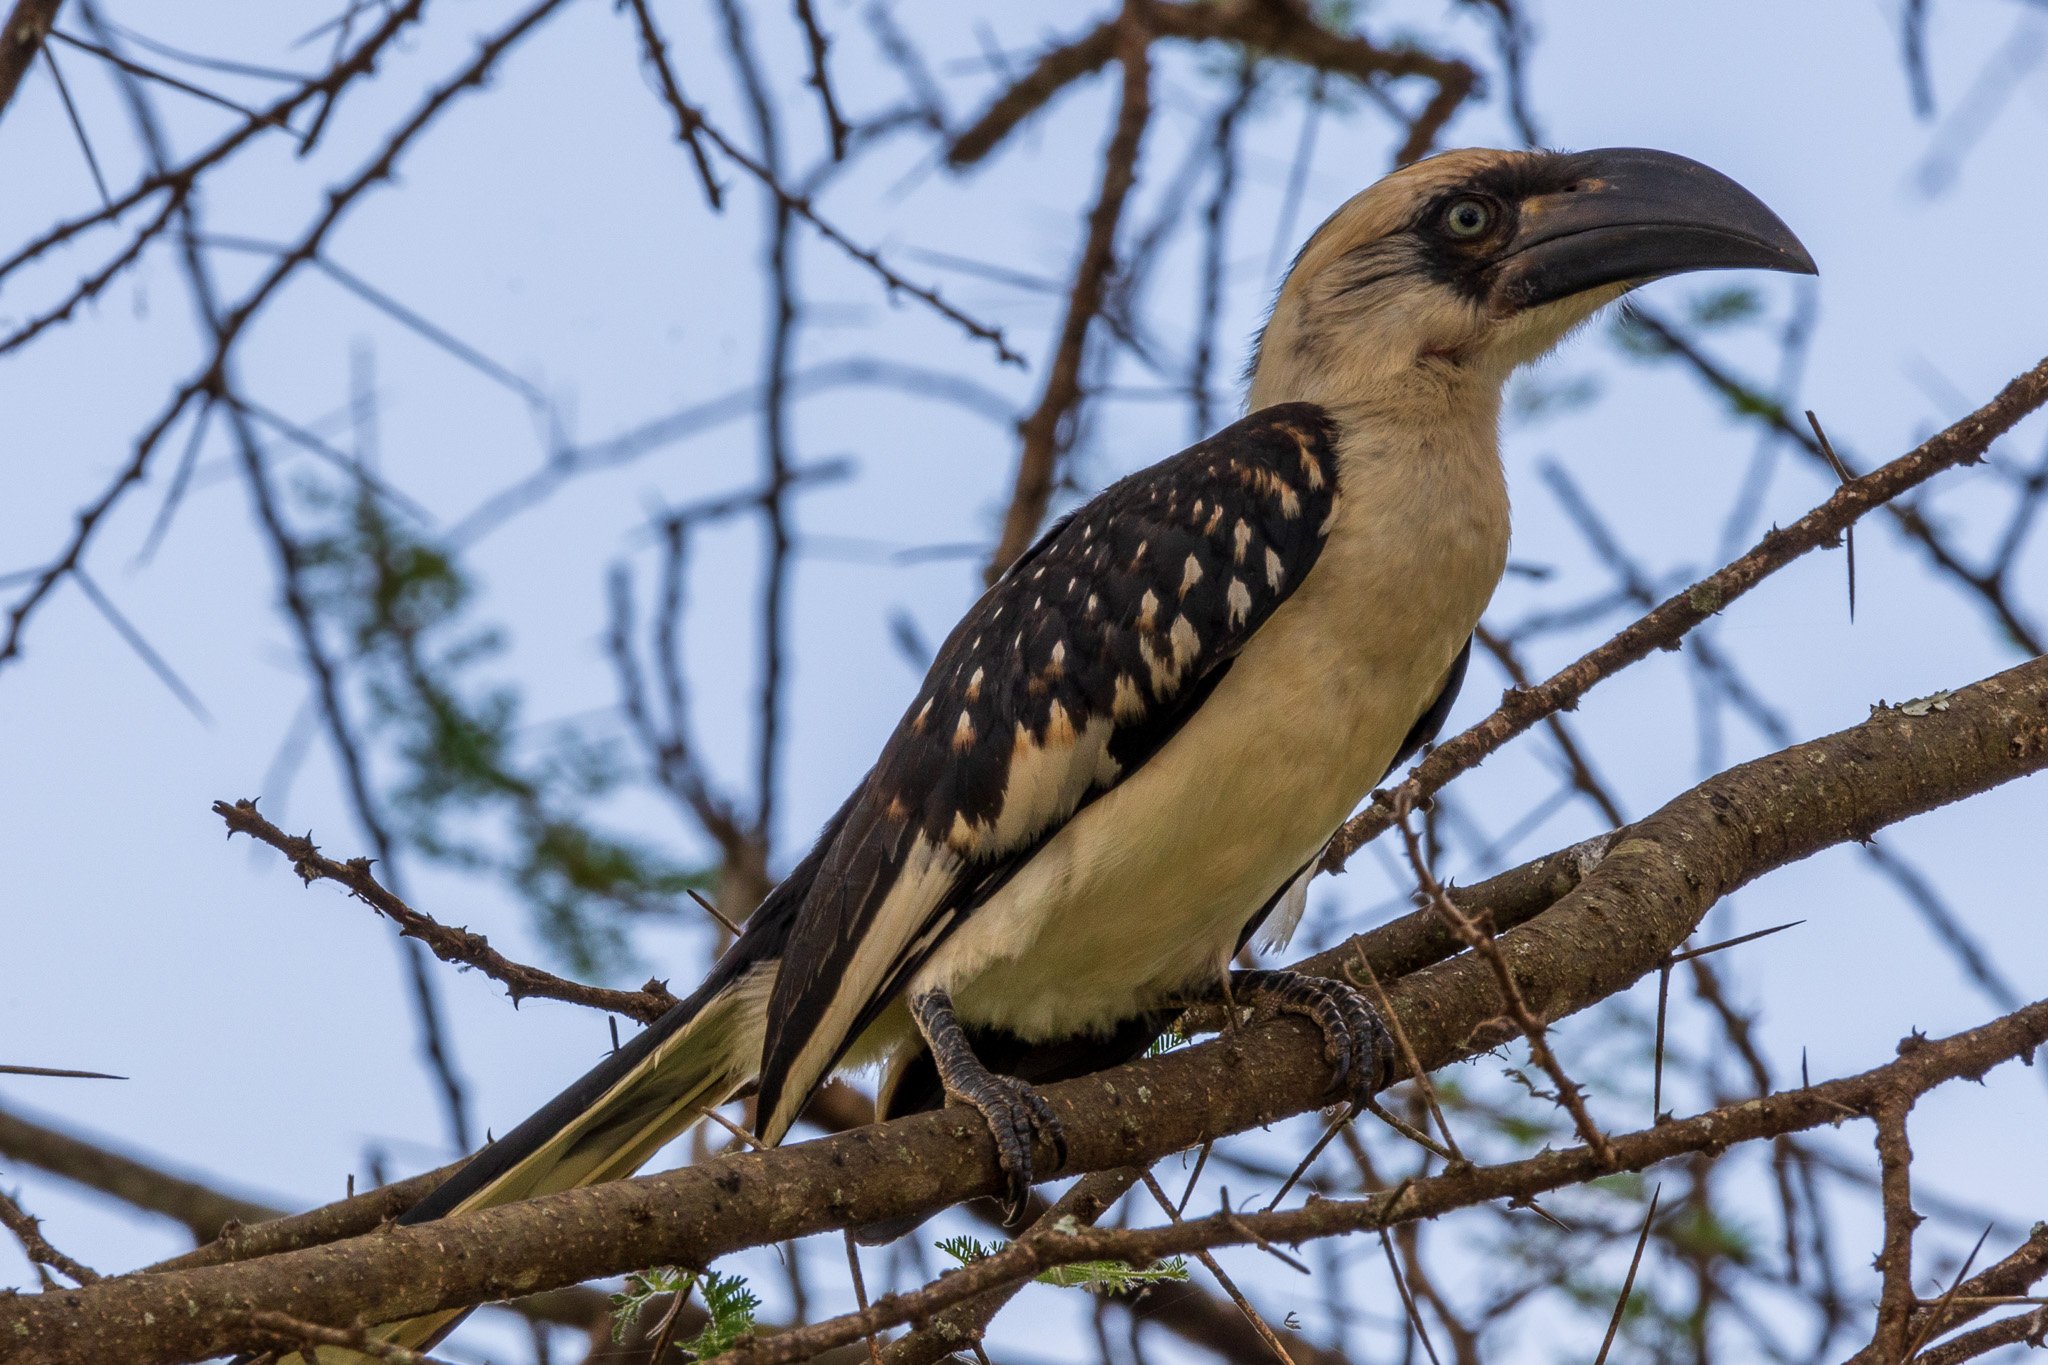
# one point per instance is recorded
(1356, 1042)
(1014, 1112)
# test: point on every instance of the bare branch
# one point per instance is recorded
(202, 1210)
(1615, 926)
(1966, 1054)
(233, 322)
(691, 120)
(459, 946)
(28, 1231)
(1284, 28)
(1043, 433)
(1963, 442)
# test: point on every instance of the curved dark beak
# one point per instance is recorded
(1632, 215)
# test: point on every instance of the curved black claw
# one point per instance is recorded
(1017, 1116)
(1356, 1042)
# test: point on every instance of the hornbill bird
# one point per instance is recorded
(1129, 754)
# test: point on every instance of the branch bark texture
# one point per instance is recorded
(1621, 920)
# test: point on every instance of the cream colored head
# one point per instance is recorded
(1446, 275)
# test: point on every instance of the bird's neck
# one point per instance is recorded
(1385, 404)
(1375, 380)
(1418, 459)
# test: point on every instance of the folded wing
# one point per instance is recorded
(1075, 668)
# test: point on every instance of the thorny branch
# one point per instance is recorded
(1963, 442)
(1275, 35)
(1645, 895)
(1990, 585)
(28, 1231)
(234, 321)
(287, 554)
(691, 124)
(459, 946)
(1476, 936)
(1922, 1069)
(1284, 28)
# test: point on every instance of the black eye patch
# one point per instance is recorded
(1466, 264)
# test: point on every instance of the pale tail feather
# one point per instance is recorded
(606, 1125)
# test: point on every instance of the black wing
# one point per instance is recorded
(1069, 673)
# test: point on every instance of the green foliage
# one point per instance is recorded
(1725, 306)
(642, 1289)
(1100, 1277)
(730, 1304)
(1635, 340)
(1697, 1232)
(475, 790)
(1536, 394)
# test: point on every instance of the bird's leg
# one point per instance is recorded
(1013, 1110)
(1356, 1042)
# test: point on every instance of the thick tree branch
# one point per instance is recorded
(202, 1210)
(1921, 1068)
(1618, 924)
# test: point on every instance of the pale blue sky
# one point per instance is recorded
(551, 223)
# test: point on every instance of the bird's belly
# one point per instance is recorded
(1142, 897)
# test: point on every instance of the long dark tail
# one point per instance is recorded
(629, 1106)
(610, 1122)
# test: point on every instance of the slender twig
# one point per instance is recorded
(1628, 1282)
(1924, 1327)
(458, 946)
(28, 1231)
(92, 162)
(1416, 1069)
(704, 904)
(1229, 1286)
(1046, 430)
(164, 78)
(1962, 442)
(860, 1293)
(183, 177)
(814, 38)
(1476, 936)
(1990, 588)
(691, 119)
(230, 323)
(1412, 1313)
(1895, 1259)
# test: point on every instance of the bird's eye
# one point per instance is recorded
(1468, 218)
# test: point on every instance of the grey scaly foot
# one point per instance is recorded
(1016, 1116)
(1356, 1042)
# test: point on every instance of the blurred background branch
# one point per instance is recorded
(541, 501)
